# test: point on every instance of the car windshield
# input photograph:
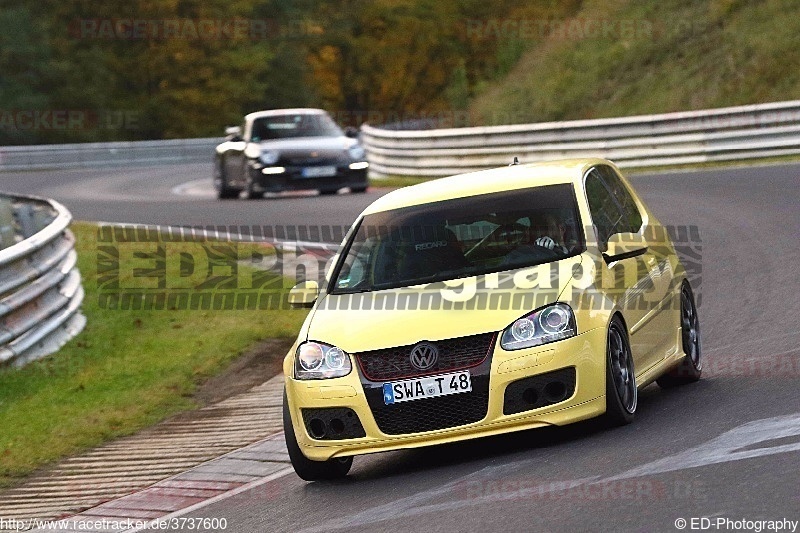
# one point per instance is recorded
(460, 238)
(294, 125)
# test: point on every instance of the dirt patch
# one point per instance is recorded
(257, 365)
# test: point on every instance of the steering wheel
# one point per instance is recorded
(512, 233)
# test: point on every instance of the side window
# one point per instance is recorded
(632, 218)
(606, 213)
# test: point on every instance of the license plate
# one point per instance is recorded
(427, 387)
(318, 172)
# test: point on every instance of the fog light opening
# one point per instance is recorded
(316, 428)
(337, 426)
(555, 391)
(530, 396)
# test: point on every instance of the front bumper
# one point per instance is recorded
(584, 353)
(292, 179)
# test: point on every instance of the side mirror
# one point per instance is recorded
(351, 132)
(623, 246)
(304, 294)
(233, 133)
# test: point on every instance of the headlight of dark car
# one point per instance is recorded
(356, 152)
(269, 157)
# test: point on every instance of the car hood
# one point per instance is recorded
(398, 317)
(309, 143)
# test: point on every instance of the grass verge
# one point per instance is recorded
(396, 182)
(125, 371)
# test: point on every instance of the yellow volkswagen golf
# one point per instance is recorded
(484, 303)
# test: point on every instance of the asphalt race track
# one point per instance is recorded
(726, 447)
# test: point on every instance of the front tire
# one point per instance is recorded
(253, 194)
(690, 368)
(221, 181)
(304, 467)
(622, 394)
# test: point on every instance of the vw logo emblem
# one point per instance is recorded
(424, 355)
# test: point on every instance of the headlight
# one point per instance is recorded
(315, 360)
(269, 157)
(549, 324)
(356, 152)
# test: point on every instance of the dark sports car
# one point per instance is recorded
(286, 150)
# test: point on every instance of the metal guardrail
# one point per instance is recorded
(86, 155)
(725, 134)
(40, 286)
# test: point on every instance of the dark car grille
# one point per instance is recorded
(312, 155)
(432, 413)
(307, 161)
(395, 363)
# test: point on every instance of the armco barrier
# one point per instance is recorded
(87, 155)
(725, 134)
(40, 287)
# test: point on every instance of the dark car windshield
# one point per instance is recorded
(295, 125)
(461, 237)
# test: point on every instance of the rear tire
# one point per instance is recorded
(358, 190)
(328, 192)
(304, 467)
(621, 391)
(690, 368)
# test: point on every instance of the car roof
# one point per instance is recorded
(278, 112)
(487, 181)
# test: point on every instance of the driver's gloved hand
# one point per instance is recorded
(545, 242)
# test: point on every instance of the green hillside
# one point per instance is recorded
(76, 71)
(624, 57)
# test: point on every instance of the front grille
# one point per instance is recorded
(432, 413)
(538, 391)
(332, 423)
(395, 363)
(314, 161)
